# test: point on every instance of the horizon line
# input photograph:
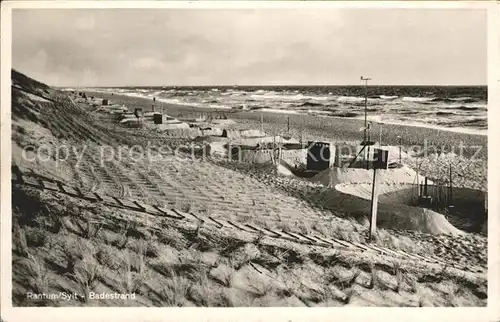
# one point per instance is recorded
(279, 85)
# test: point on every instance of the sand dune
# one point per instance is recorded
(353, 191)
(334, 176)
(192, 263)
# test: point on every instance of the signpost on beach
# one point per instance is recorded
(374, 159)
(374, 204)
(379, 161)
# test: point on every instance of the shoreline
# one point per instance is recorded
(324, 128)
(315, 113)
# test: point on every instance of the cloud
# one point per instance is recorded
(85, 23)
(148, 63)
(191, 46)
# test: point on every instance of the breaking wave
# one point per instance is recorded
(436, 107)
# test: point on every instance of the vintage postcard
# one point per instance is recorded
(308, 155)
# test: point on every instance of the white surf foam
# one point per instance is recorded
(379, 119)
(417, 99)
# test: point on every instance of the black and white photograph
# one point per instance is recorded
(249, 157)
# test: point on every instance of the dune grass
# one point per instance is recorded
(224, 271)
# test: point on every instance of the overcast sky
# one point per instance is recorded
(126, 47)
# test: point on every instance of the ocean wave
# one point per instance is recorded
(346, 114)
(427, 123)
(467, 99)
(176, 93)
(418, 99)
(234, 93)
(173, 101)
(454, 100)
(470, 108)
(477, 121)
(361, 104)
(332, 113)
(426, 100)
(409, 112)
(441, 113)
(384, 97)
(350, 99)
(282, 97)
(210, 101)
(309, 104)
(435, 109)
(463, 106)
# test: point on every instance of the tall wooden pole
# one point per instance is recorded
(374, 204)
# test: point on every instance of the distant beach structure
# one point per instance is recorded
(320, 155)
(138, 112)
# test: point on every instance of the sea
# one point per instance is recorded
(454, 108)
